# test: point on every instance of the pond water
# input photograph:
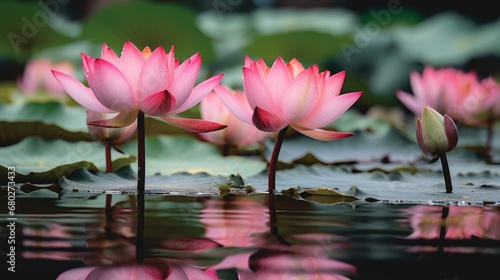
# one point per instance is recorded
(239, 235)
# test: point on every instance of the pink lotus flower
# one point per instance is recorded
(461, 95)
(286, 94)
(113, 136)
(237, 133)
(154, 83)
(153, 270)
(37, 77)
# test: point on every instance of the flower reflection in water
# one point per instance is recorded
(444, 223)
(242, 221)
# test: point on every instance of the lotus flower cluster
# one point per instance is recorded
(152, 82)
(461, 95)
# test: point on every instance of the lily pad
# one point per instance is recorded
(362, 147)
(48, 120)
(394, 187)
(124, 181)
(167, 155)
(40, 161)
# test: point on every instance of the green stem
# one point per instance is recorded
(274, 161)
(446, 173)
(141, 168)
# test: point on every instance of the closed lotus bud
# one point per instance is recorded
(114, 136)
(436, 134)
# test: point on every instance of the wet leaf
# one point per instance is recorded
(124, 181)
(45, 161)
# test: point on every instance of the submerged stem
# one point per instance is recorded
(489, 140)
(141, 172)
(274, 160)
(446, 173)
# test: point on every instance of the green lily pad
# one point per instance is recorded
(149, 24)
(173, 154)
(40, 161)
(362, 147)
(124, 181)
(49, 120)
(393, 187)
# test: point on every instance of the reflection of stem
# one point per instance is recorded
(108, 216)
(141, 168)
(225, 149)
(109, 163)
(446, 173)
(489, 140)
(274, 161)
(442, 230)
(109, 169)
(273, 220)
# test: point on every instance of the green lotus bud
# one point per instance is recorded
(436, 134)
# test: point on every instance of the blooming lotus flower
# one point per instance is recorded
(436, 134)
(237, 133)
(287, 94)
(459, 94)
(37, 77)
(113, 136)
(152, 82)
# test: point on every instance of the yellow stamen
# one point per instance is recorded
(146, 52)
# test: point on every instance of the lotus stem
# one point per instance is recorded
(446, 173)
(274, 161)
(141, 169)
(109, 163)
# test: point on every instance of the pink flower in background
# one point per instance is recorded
(288, 94)
(237, 133)
(461, 95)
(153, 82)
(113, 136)
(492, 105)
(37, 77)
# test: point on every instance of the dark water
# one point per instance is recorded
(235, 236)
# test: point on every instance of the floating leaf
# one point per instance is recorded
(40, 161)
(361, 147)
(172, 154)
(124, 181)
(392, 187)
(48, 120)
